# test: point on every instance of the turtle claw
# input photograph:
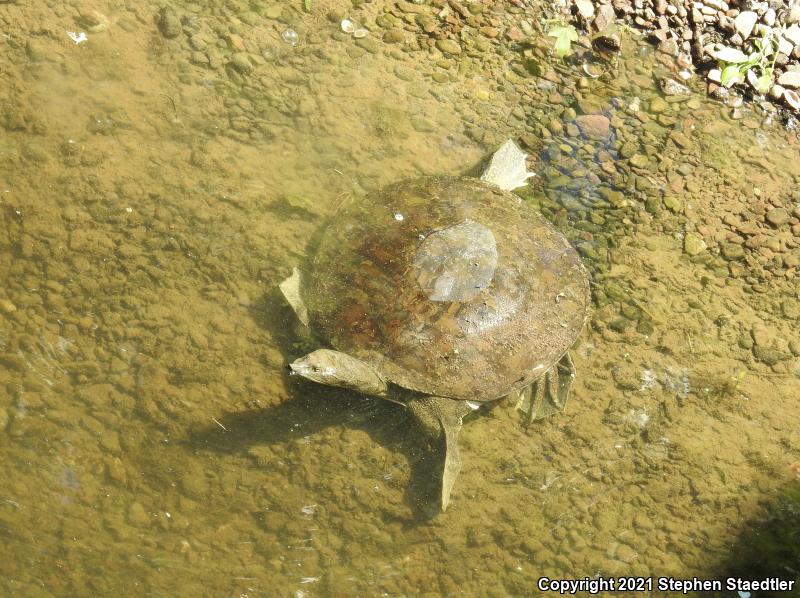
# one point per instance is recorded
(549, 393)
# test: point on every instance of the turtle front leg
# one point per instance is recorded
(548, 394)
(291, 292)
(440, 416)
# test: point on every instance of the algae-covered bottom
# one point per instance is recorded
(159, 180)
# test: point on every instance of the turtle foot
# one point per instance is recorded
(549, 393)
(442, 417)
(291, 292)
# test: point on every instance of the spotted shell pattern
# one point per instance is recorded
(447, 286)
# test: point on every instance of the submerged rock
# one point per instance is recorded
(777, 216)
(594, 126)
(168, 23)
(693, 244)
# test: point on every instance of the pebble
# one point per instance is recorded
(641, 521)
(605, 520)
(241, 63)
(793, 34)
(670, 87)
(37, 51)
(585, 8)
(409, 7)
(792, 98)
(426, 23)
(605, 17)
(790, 308)
(777, 216)
(514, 34)
(744, 23)
(658, 105)
(790, 79)
(594, 126)
(448, 46)
(731, 251)
(394, 36)
(116, 470)
(693, 244)
(625, 553)
(168, 23)
(769, 355)
(7, 307)
(138, 516)
(673, 204)
(274, 11)
(762, 336)
(369, 43)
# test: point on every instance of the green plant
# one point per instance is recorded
(736, 65)
(564, 34)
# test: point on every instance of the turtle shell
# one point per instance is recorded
(448, 286)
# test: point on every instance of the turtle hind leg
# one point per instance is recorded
(549, 393)
(441, 417)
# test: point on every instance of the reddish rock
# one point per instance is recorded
(594, 126)
(605, 17)
(514, 34)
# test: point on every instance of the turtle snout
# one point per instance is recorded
(297, 369)
(301, 368)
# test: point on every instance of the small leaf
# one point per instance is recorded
(731, 74)
(562, 46)
(566, 31)
(764, 83)
(307, 5)
(564, 36)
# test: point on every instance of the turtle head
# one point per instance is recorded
(334, 368)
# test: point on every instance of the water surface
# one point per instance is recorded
(155, 190)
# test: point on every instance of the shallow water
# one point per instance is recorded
(154, 195)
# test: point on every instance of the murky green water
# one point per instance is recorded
(155, 190)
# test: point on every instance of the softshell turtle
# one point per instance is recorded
(443, 293)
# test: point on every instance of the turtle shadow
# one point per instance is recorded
(312, 409)
(767, 545)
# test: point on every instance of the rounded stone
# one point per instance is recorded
(168, 23)
(693, 244)
(594, 126)
(241, 63)
(732, 251)
(394, 36)
(7, 306)
(448, 46)
(778, 216)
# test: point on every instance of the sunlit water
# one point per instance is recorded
(152, 198)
